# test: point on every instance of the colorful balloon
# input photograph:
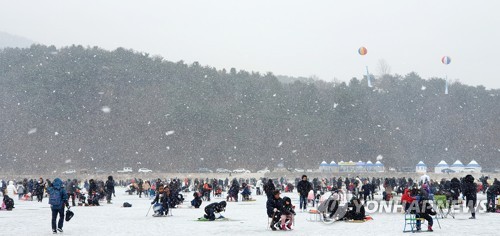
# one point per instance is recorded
(446, 60)
(362, 51)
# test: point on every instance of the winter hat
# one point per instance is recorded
(287, 199)
(223, 204)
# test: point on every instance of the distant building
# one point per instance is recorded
(379, 167)
(421, 167)
(360, 166)
(457, 166)
(369, 166)
(353, 167)
(324, 167)
(473, 166)
(442, 167)
(334, 167)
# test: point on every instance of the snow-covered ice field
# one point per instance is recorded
(247, 218)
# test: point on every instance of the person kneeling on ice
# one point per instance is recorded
(277, 211)
(196, 202)
(213, 208)
(160, 202)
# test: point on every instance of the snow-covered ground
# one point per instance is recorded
(247, 218)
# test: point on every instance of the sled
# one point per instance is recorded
(249, 200)
(203, 219)
(367, 218)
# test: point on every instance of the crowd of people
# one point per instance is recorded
(167, 194)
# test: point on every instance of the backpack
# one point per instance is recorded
(55, 198)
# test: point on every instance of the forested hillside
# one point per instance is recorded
(77, 107)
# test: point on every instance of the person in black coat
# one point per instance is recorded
(233, 191)
(455, 188)
(274, 206)
(366, 188)
(93, 198)
(303, 187)
(213, 208)
(269, 189)
(491, 195)
(39, 189)
(110, 188)
(470, 193)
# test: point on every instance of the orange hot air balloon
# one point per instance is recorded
(362, 51)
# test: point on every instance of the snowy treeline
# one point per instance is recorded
(110, 109)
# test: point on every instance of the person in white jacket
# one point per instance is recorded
(11, 189)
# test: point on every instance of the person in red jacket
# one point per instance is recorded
(407, 199)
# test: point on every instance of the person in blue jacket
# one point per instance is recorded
(58, 198)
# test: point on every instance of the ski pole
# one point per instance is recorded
(149, 210)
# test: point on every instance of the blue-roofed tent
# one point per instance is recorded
(379, 167)
(458, 166)
(334, 167)
(369, 166)
(421, 167)
(473, 166)
(324, 167)
(441, 166)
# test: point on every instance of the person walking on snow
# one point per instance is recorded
(303, 187)
(58, 198)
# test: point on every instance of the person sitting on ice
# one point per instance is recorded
(216, 207)
(160, 202)
(196, 202)
(287, 214)
(281, 216)
(424, 211)
(246, 192)
(218, 192)
(407, 199)
(356, 210)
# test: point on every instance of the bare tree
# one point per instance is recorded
(384, 67)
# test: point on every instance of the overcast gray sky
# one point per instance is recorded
(298, 38)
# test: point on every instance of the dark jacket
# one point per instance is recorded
(269, 188)
(367, 188)
(57, 185)
(455, 185)
(303, 187)
(110, 185)
(469, 187)
(161, 198)
(273, 203)
(216, 207)
(92, 187)
(287, 209)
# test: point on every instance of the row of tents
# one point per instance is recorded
(351, 166)
(443, 167)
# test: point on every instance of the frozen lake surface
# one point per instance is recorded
(247, 218)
